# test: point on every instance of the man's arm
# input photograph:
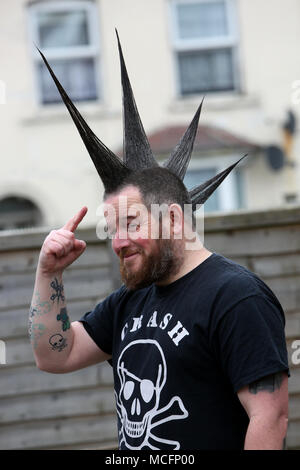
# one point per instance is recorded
(266, 403)
(58, 345)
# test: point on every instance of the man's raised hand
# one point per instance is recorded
(61, 248)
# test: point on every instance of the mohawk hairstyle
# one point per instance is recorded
(137, 153)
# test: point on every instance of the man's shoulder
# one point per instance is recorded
(236, 282)
(227, 271)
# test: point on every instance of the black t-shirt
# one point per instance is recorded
(181, 352)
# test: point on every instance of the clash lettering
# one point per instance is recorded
(177, 333)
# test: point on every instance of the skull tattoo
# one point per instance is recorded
(57, 342)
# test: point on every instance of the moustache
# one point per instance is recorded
(125, 252)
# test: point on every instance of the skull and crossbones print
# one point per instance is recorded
(138, 398)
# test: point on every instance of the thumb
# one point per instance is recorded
(79, 245)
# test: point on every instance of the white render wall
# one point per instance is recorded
(42, 156)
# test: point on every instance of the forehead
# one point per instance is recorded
(123, 200)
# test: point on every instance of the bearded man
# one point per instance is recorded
(195, 340)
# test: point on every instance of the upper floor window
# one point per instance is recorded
(229, 196)
(205, 42)
(66, 32)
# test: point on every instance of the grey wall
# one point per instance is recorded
(40, 410)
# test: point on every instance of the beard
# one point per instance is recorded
(156, 267)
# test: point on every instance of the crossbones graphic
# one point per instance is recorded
(138, 399)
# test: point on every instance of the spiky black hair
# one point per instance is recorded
(137, 151)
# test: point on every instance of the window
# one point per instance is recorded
(17, 212)
(228, 196)
(205, 43)
(66, 32)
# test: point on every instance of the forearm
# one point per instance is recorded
(49, 326)
(266, 433)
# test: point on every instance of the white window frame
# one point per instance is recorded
(75, 52)
(228, 188)
(198, 44)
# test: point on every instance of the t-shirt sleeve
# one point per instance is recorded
(99, 323)
(250, 341)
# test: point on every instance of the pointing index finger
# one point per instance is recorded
(73, 223)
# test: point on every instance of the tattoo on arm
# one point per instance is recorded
(270, 383)
(59, 291)
(38, 307)
(57, 342)
(32, 312)
(63, 316)
(35, 330)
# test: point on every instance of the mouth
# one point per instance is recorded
(135, 429)
(130, 257)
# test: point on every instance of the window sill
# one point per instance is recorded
(48, 114)
(215, 102)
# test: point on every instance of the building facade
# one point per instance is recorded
(241, 55)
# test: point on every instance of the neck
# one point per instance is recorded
(190, 260)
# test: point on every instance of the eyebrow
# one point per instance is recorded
(128, 217)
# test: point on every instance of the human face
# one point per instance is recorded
(143, 260)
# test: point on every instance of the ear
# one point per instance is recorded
(176, 218)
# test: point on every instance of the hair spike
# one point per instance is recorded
(181, 155)
(201, 193)
(109, 167)
(137, 150)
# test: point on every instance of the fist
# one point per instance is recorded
(61, 248)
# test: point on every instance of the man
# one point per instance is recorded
(196, 341)
(199, 355)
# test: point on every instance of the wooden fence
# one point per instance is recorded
(39, 410)
(76, 411)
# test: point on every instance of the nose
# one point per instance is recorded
(119, 243)
(136, 407)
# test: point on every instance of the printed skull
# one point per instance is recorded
(140, 389)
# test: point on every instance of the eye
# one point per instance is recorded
(128, 389)
(147, 390)
(133, 227)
